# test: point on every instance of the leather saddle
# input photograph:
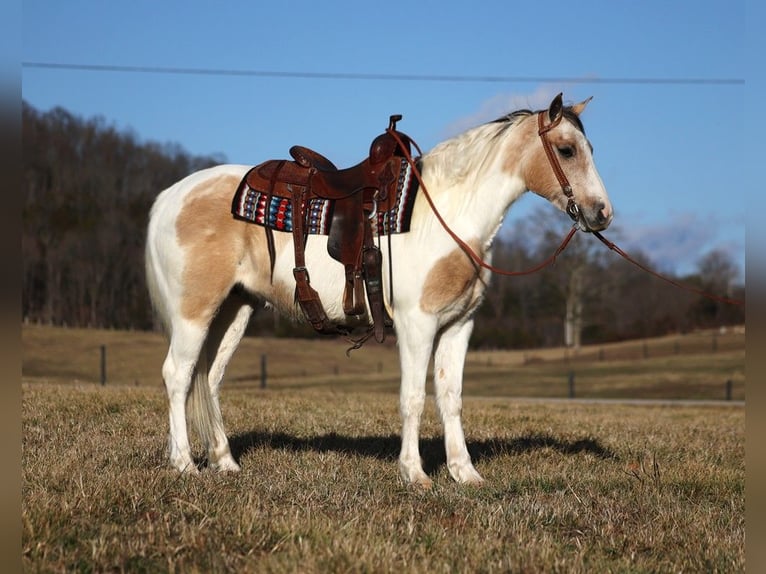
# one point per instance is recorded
(356, 194)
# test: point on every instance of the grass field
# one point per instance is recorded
(571, 487)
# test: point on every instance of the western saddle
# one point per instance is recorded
(356, 194)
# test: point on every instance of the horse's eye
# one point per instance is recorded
(566, 151)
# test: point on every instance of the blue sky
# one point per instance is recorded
(670, 154)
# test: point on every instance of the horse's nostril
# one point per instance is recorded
(600, 217)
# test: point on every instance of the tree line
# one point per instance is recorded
(88, 189)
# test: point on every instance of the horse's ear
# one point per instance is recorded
(556, 109)
(578, 108)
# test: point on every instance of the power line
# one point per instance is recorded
(385, 77)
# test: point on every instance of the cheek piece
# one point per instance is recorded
(572, 209)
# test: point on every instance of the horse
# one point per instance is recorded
(206, 272)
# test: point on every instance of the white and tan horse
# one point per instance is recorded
(206, 271)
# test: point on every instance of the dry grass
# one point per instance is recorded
(571, 487)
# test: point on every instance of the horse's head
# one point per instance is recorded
(558, 165)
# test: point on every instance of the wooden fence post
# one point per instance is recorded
(728, 389)
(571, 384)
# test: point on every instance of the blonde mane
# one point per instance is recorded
(454, 160)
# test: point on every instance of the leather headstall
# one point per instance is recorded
(572, 209)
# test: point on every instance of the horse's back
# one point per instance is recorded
(172, 198)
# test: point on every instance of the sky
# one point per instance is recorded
(667, 79)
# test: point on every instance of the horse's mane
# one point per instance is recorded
(458, 157)
(511, 118)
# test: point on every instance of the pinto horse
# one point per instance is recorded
(207, 270)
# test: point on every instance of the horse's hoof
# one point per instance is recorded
(413, 475)
(189, 468)
(477, 481)
(423, 483)
(466, 474)
(226, 465)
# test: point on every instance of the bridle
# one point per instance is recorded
(572, 209)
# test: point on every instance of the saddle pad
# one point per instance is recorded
(251, 205)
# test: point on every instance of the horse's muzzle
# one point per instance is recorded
(596, 217)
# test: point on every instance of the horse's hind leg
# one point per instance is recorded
(449, 360)
(225, 335)
(185, 343)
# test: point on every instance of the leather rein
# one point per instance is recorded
(572, 209)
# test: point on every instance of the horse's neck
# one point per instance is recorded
(474, 198)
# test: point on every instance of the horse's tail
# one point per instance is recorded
(202, 409)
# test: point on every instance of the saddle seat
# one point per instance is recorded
(356, 193)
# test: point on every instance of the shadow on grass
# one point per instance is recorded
(432, 448)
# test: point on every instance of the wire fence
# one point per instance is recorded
(706, 366)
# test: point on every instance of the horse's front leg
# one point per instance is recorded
(449, 361)
(415, 334)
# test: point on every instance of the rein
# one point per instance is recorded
(673, 282)
(572, 210)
